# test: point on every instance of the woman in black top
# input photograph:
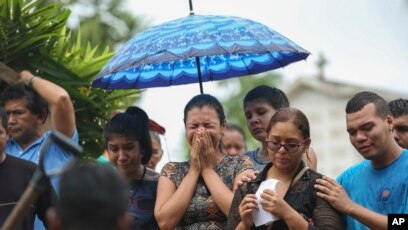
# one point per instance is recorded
(294, 202)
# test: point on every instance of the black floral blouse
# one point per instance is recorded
(203, 212)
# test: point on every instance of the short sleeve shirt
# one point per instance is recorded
(383, 190)
(203, 212)
(55, 158)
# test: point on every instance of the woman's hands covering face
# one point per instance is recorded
(195, 151)
(202, 153)
(208, 157)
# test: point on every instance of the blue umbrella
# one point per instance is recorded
(197, 48)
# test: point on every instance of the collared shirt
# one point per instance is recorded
(55, 158)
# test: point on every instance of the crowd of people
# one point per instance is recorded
(219, 187)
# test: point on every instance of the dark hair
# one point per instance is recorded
(19, 91)
(3, 117)
(361, 99)
(92, 196)
(398, 107)
(133, 124)
(297, 117)
(235, 127)
(202, 100)
(273, 96)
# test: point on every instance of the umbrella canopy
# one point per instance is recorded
(197, 48)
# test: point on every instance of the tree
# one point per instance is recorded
(105, 22)
(34, 37)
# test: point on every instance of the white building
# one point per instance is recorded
(324, 104)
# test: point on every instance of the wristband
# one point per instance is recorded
(31, 82)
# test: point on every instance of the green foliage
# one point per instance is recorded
(104, 22)
(232, 102)
(34, 37)
(25, 28)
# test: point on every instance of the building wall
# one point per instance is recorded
(328, 130)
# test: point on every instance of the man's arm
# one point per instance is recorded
(59, 101)
(61, 107)
(334, 193)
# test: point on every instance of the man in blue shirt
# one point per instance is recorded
(27, 100)
(377, 186)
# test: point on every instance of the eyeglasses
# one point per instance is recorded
(274, 146)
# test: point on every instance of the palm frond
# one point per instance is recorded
(33, 36)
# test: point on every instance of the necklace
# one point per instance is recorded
(144, 172)
(135, 184)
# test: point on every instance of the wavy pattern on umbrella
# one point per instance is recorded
(197, 48)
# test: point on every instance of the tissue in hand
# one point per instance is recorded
(260, 216)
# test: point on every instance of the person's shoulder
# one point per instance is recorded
(151, 175)
(354, 170)
(20, 164)
(240, 160)
(176, 163)
(173, 165)
(242, 157)
(251, 153)
(313, 174)
(404, 155)
(357, 167)
(245, 161)
(19, 161)
(402, 160)
(74, 136)
(401, 163)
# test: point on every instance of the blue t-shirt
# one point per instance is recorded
(259, 165)
(382, 190)
(142, 198)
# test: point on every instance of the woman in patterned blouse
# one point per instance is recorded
(196, 194)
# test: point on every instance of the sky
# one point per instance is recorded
(365, 42)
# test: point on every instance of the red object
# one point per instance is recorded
(154, 126)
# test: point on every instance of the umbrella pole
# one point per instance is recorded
(191, 7)
(199, 74)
